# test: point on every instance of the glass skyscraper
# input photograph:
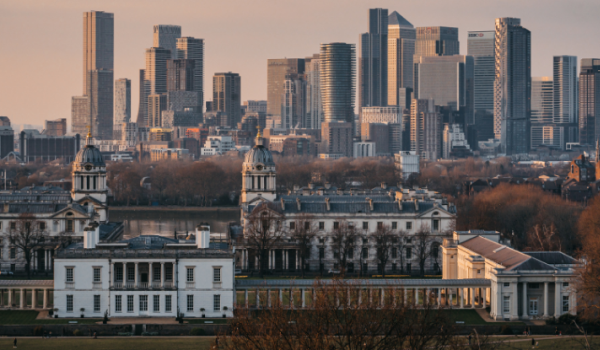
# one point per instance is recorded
(373, 60)
(401, 49)
(338, 74)
(589, 101)
(480, 45)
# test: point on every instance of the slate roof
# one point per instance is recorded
(366, 282)
(553, 258)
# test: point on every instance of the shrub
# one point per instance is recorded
(197, 331)
(506, 330)
(77, 333)
(567, 319)
(37, 331)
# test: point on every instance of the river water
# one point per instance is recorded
(164, 222)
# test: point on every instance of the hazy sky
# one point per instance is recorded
(41, 40)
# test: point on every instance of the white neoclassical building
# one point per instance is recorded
(146, 276)
(524, 285)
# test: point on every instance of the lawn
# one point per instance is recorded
(28, 317)
(471, 317)
(206, 320)
(196, 343)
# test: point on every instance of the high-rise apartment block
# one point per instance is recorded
(56, 127)
(542, 111)
(481, 46)
(293, 102)
(372, 66)
(156, 69)
(166, 36)
(277, 70)
(437, 41)
(512, 85)
(386, 115)
(193, 49)
(589, 101)
(425, 129)
(227, 92)
(180, 75)
(142, 117)
(157, 103)
(122, 106)
(98, 67)
(401, 49)
(338, 81)
(314, 103)
(565, 97)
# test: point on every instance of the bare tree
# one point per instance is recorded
(27, 233)
(401, 236)
(422, 245)
(263, 231)
(384, 238)
(343, 244)
(304, 232)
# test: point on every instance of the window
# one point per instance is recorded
(565, 284)
(143, 303)
(436, 225)
(394, 253)
(365, 268)
(42, 226)
(130, 303)
(1, 225)
(394, 225)
(69, 274)
(156, 303)
(379, 225)
(217, 274)
(321, 240)
(350, 267)
(365, 240)
(131, 273)
(96, 274)
(506, 303)
(365, 225)
(190, 274)
(13, 252)
(190, 302)
(435, 250)
(506, 284)
(69, 303)
(336, 255)
(69, 226)
(478, 271)
(409, 253)
(96, 303)
(167, 303)
(216, 302)
(169, 273)
(321, 225)
(307, 225)
(408, 240)
(119, 273)
(321, 253)
(365, 253)
(409, 225)
(292, 225)
(13, 225)
(118, 303)
(336, 225)
(565, 303)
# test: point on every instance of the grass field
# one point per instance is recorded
(28, 317)
(196, 343)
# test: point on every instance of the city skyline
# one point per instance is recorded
(227, 50)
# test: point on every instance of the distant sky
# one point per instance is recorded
(41, 41)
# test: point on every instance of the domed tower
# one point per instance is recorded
(89, 179)
(258, 173)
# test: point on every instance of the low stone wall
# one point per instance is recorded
(106, 330)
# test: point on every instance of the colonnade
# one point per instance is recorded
(287, 264)
(8, 297)
(136, 283)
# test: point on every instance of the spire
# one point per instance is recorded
(88, 140)
(259, 139)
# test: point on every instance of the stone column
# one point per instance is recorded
(286, 262)
(258, 298)
(371, 296)
(546, 313)
(34, 298)
(460, 293)
(113, 275)
(484, 296)
(270, 256)
(557, 299)
(135, 276)
(22, 301)
(303, 296)
(439, 297)
(525, 311)
(472, 290)
(268, 298)
(246, 298)
(405, 296)
(281, 296)
(162, 275)
(10, 297)
(382, 297)
(416, 297)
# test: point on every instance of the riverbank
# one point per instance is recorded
(171, 208)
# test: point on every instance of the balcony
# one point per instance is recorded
(130, 285)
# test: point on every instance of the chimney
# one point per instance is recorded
(298, 203)
(327, 203)
(91, 236)
(384, 185)
(370, 201)
(327, 185)
(416, 201)
(282, 204)
(203, 236)
(399, 203)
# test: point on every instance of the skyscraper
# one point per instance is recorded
(122, 106)
(425, 129)
(436, 41)
(372, 67)
(142, 117)
(542, 111)
(589, 101)
(156, 69)
(166, 36)
(401, 49)
(227, 92)
(293, 101)
(338, 81)
(277, 69)
(512, 85)
(314, 104)
(193, 49)
(481, 45)
(565, 96)
(98, 66)
(180, 75)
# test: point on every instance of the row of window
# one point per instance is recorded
(365, 225)
(131, 274)
(143, 303)
(365, 253)
(97, 303)
(533, 305)
(69, 225)
(216, 274)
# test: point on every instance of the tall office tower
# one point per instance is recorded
(122, 106)
(157, 103)
(565, 96)
(293, 102)
(338, 81)
(277, 69)
(7, 138)
(372, 62)
(227, 92)
(448, 80)
(180, 75)
(436, 41)
(142, 117)
(166, 36)
(156, 69)
(314, 104)
(56, 127)
(512, 85)
(481, 45)
(589, 101)
(542, 109)
(425, 129)
(193, 49)
(98, 66)
(401, 49)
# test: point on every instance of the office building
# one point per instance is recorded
(448, 80)
(589, 101)
(185, 118)
(277, 70)
(193, 49)
(512, 86)
(386, 115)
(565, 96)
(425, 129)
(364, 149)
(183, 101)
(157, 103)
(180, 75)
(292, 145)
(122, 106)
(401, 49)
(166, 36)
(160, 134)
(455, 144)
(227, 92)
(130, 134)
(156, 69)
(542, 108)
(35, 147)
(7, 138)
(98, 43)
(338, 81)
(372, 61)
(80, 115)
(378, 133)
(481, 45)
(56, 127)
(314, 104)
(293, 102)
(336, 139)
(256, 106)
(436, 41)
(142, 117)
(100, 99)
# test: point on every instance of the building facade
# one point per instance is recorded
(338, 81)
(314, 103)
(166, 36)
(401, 49)
(589, 101)
(227, 94)
(373, 58)
(56, 127)
(542, 112)
(481, 45)
(566, 101)
(193, 49)
(436, 41)
(122, 106)
(277, 69)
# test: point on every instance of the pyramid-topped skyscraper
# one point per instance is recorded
(401, 48)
